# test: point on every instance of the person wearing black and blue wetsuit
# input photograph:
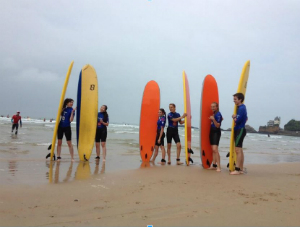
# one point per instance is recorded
(172, 132)
(239, 132)
(215, 135)
(101, 133)
(64, 128)
(160, 137)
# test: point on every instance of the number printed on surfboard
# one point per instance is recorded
(92, 87)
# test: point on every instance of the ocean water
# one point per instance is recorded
(22, 156)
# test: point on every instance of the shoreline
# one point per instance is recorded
(161, 196)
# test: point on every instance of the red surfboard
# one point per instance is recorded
(148, 119)
(209, 94)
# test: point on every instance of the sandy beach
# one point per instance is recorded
(268, 195)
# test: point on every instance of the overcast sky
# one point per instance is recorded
(130, 42)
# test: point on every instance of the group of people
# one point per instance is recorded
(174, 118)
(214, 135)
(64, 128)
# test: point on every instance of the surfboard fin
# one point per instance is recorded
(85, 159)
(203, 153)
(207, 162)
(141, 148)
(228, 165)
(190, 151)
(50, 146)
(146, 156)
(227, 155)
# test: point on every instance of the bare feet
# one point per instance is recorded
(212, 168)
(218, 170)
(179, 163)
(162, 163)
(73, 160)
(235, 173)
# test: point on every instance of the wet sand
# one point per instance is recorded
(162, 196)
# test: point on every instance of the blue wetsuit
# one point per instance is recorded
(160, 126)
(172, 130)
(65, 124)
(239, 128)
(101, 133)
(65, 118)
(215, 133)
(241, 117)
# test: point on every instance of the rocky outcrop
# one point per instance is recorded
(250, 129)
(269, 129)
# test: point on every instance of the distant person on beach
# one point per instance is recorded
(101, 133)
(160, 137)
(64, 128)
(15, 122)
(172, 132)
(239, 132)
(215, 135)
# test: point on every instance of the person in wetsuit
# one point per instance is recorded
(172, 132)
(101, 133)
(64, 128)
(160, 137)
(215, 135)
(239, 132)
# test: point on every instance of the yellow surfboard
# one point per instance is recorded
(241, 89)
(61, 102)
(187, 119)
(87, 111)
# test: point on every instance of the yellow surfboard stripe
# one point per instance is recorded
(185, 120)
(241, 89)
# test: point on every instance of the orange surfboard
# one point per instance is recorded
(148, 120)
(209, 94)
(188, 118)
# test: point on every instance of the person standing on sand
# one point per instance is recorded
(67, 116)
(239, 132)
(172, 132)
(15, 122)
(160, 137)
(215, 135)
(101, 133)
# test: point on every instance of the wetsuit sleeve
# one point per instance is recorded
(241, 114)
(218, 118)
(163, 122)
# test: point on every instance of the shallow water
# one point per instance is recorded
(22, 156)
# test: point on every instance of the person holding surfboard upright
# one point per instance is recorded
(215, 135)
(239, 132)
(172, 132)
(160, 137)
(67, 116)
(101, 133)
(15, 122)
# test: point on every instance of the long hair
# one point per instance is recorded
(67, 100)
(105, 114)
(163, 112)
